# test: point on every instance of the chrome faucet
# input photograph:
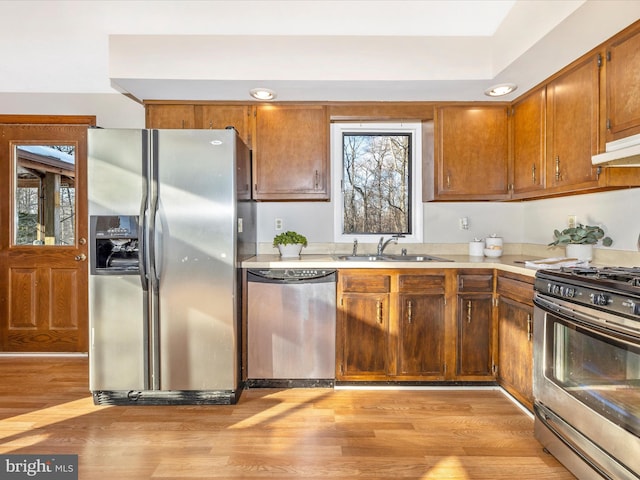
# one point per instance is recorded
(382, 244)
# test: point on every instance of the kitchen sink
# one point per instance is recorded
(415, 258)
(363, 258)
(392, 258)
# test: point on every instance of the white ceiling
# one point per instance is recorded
(303, 49)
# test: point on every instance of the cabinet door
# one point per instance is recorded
(623, 87)
(291, 159)
(474, 353)
(529, 152)
(572, 126)
(363, 322)
(170, 116)
(515, 357)
(471, 153)
(223, 116)
(421, 335)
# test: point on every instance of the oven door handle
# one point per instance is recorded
(595, 324)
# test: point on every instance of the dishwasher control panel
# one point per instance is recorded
(291, 273)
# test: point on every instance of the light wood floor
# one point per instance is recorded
(45, 408)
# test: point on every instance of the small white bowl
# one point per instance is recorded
(492, 252)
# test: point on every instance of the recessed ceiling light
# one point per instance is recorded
(262, 93)
(499, 90)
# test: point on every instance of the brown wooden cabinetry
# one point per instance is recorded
(471, 153)
(391, 325)
(362, 335)
(515, 335)
(572, 127)
(171, 116)
(475, 338)
(421, 326)
(222, 116)
(291, 160)
(529, 140)
(623, 88)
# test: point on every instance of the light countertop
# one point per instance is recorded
(510, 263)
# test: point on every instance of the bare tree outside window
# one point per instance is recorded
(376, 183)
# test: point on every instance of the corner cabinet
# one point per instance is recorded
(291, 160)
(515, 335)
(391, 325)
(475, 333)
(471, 154)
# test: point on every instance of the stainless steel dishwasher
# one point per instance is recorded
(291, 326)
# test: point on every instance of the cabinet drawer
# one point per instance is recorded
(475, 282)
(421, 283)
(365, 283)
(515, 289)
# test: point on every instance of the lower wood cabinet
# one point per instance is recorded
(515, 335)
(406, 325)
(475, 332)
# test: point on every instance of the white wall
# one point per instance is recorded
(112, 110)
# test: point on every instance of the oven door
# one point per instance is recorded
(586, 389)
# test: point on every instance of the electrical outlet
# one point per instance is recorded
(463, 223)
(572, 221)
(278, 224)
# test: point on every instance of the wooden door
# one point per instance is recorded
(475, 336)
(291, 160)
(170, 116)
(223, 116)
(515, 339)
(472, 153)
(421, 335)
(572, 126)
(623, 87)
(43, 280)
(528, 121)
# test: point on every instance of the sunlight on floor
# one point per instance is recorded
(450, 467)
(19, 425)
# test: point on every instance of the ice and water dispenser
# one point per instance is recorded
(115, 245)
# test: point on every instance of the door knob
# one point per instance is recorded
(82, 241)
(81, 258)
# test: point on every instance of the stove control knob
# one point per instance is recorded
(599, 299)
(635, 307)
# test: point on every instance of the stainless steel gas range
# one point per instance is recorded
(587, 369)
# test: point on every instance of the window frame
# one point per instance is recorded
(412, 128)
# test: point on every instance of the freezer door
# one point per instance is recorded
(117, 303)
(194, 241)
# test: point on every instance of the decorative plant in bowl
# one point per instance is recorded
(579, 240)
(290, 243)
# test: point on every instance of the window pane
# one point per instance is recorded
(376, 183)
(44, 195)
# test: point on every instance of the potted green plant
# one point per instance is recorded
(289, 243)
(579, 240)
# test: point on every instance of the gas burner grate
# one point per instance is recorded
(607, 275)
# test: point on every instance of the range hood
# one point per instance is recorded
(620, 153)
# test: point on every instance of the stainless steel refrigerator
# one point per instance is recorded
(171, 219)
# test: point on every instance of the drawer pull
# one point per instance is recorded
(379, 312)
(409, 311)
(469, 311)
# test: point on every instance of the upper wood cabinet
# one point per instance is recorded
(171, 116)
(471, 154)
(573, 127)
(623, 84)
(222, 116)
(529, 143)
(291, 160)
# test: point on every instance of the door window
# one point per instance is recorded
(44, 194)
